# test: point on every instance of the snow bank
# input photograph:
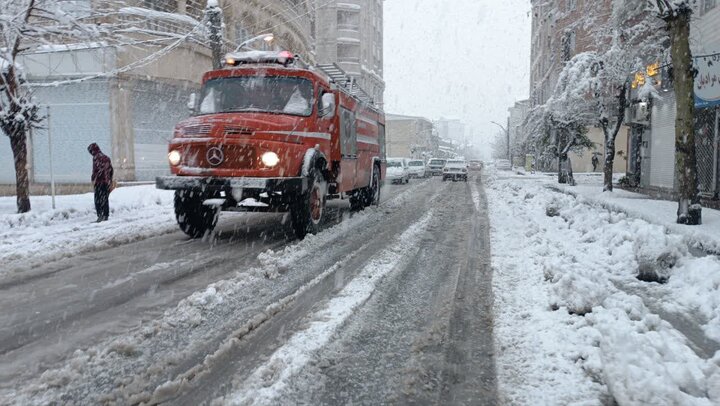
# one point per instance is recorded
(45, 234)
(564, 319)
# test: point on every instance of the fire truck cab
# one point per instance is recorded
(270, 134)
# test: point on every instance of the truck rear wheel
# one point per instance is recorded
(371, 195)
(308, 213)
(194, 218)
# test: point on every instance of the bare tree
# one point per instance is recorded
(26, 25)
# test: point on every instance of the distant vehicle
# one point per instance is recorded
(475, 165)
(417, 168)
(503, 165)
(397, 170)
(455, 169)
(435, 166)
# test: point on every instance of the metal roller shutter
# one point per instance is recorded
(662, 140)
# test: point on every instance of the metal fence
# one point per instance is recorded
(706, 141)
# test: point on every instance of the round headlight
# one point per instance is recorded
(174, 157)
(270, 159)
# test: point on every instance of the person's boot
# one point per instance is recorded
(99, 219)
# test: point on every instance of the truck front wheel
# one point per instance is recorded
(194, 218)
(308, 212)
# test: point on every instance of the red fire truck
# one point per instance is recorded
(271, 134)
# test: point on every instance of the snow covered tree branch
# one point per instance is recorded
(28, 26)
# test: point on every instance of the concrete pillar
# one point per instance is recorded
(121, 127)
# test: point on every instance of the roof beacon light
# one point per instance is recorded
(284, 58)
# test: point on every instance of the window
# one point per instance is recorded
(708, 5)
(348, 52)
(241, 33)
(568, 45)
(273, 94)
(169, 6)
(348, 20)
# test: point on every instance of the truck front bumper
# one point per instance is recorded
(234, 186)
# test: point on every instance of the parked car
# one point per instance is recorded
(417, 168)
(455, 169)
(435, 166)
(503, 165)
(475, 165)
(397, 170)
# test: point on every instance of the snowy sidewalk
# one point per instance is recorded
(660, 212)
(574, 325)
(44, 234)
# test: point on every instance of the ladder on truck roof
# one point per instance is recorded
(347, 82)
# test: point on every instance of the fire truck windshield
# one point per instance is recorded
(266, 94)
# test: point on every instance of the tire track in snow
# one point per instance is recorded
(270, 379)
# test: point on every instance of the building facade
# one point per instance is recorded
(559, 33)
(451, 129)
(652, 142)
(350, 33)
(131, 113)
(410, 137)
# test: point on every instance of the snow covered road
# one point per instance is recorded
(124, 325)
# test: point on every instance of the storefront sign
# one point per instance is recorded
(707, 82)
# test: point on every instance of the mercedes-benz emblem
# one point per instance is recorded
(215, 156)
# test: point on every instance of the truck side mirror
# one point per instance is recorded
(191, 102)
(328, 105)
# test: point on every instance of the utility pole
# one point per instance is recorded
(507, 133)
(214, 18)
(50, 153)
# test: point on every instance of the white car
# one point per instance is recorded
(397, 170)
(503, 165)
(455, 169)
(417, 168)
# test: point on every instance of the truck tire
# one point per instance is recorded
(308, 212)
(194, 218)
(372, 192)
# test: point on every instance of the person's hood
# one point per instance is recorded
(94, 149)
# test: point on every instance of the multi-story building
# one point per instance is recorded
(451, 129)
(131, 113)
(292, 23)
(409, 136)
(350, 33)
(561, 30)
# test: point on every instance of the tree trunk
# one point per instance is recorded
(215, 21)
(611, 136)
(609, 161)
(18, 143)
(689, 210)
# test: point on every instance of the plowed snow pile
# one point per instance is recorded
(569, 328)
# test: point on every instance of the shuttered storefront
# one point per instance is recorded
(662, 140)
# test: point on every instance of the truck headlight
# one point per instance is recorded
(174, 157)
(270, 159)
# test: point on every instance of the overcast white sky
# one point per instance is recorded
(466, 59)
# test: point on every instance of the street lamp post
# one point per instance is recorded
(268, 38)
(507, 136)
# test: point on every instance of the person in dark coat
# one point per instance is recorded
(102, 176)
